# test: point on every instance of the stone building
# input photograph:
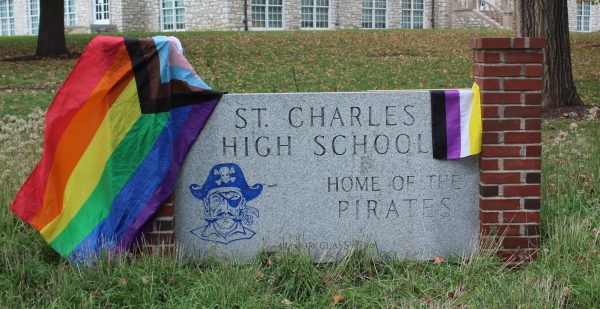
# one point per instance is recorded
(21, 17)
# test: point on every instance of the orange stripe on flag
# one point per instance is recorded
(79, 133)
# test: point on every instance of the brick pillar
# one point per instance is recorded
(161, 237)
(509, 73)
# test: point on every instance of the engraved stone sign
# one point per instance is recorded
(324, 172)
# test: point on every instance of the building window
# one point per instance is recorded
(101, 12)
(267, 14)
(7, 18)
(374, 13)
(70, 13)
(173, 15)
(412, 14)
(34, 16)
(315, 14)
(583, 16)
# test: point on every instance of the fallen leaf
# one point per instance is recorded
(337, 299)
(259, 274)
(96, 294)
(287, 302)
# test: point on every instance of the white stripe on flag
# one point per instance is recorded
(466, 104)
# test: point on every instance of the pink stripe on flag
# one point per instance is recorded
(176, 58)
(453, 123)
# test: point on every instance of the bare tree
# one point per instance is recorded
(51, 34)
(549, 18)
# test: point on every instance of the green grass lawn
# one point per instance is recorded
(566, 274)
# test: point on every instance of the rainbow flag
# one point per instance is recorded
(116, 135)
(455, 123)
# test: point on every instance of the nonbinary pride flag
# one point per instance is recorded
(456, 123)
(116, 135)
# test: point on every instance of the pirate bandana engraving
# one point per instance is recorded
(225, 195)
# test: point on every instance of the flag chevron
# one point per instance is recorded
(105, 172)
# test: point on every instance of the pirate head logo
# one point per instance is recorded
(225, 195)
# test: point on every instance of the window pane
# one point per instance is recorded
(275, 17)
(322, 17)
(307, 17)
(367, 17)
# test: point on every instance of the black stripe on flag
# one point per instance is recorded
(438, 124)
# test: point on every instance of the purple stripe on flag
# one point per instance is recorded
(196, 119)
(453, 123)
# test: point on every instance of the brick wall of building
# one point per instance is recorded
(509, 73)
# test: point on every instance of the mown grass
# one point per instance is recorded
(566, 273)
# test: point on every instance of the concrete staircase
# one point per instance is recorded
(485, 13)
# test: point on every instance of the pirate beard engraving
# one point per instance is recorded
(225, 201)
(226, 207)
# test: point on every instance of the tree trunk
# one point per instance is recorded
(542, 18)
(51, 34)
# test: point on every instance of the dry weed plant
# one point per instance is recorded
(20, 147)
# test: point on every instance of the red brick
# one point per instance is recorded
(532, 203)
(485, 230)
(534, 70)
(500, 151)
(520, 217)
(163, 225)
(499, 230)
(501, 98)
(488, 83)
(522, 190)
(490, 138)
(491, 43)
(523, 111)
(518, 42)
(500, 178)
(533, 124)
(520, 242)
(522, 137)
(488, 164)
(487, 57)
(488, 191)
(166, 210)
(488, 217)
(531, 229)
(497, 70)
(499, 204)
(533, 98)
(523, 84)
(489, 111)
(537, 42)
(159, 239)
(501, 125)
(492, 242)
(533, 151)
(533, 178)
(522, 164)
(508, 230)
(523, 57)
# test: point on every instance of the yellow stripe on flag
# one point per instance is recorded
(84, 178)
(475, 127)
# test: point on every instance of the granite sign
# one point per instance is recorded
(324, 172)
